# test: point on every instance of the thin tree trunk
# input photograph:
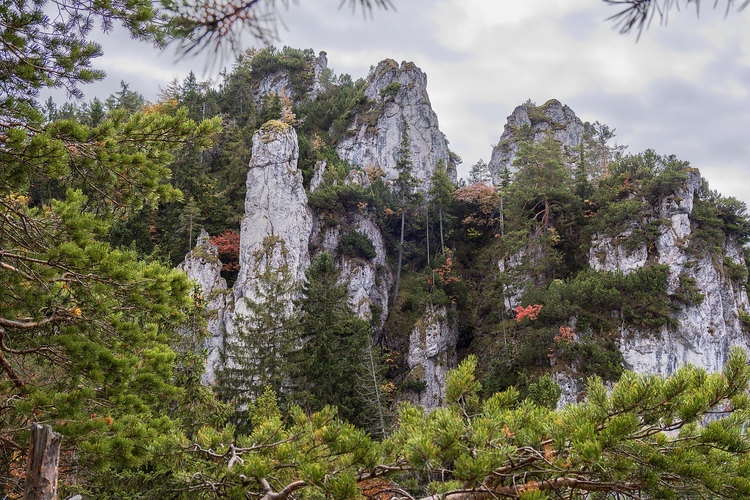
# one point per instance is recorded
(427, 227)
(400, 253)
(442, 242)
(376, 386)
(502, 218)
(44, 455)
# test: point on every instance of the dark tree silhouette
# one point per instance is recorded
(638, 14)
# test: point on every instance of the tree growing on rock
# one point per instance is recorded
(325, 368)
(256, 353)
(403, 187)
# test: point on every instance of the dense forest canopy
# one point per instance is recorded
(102, 338)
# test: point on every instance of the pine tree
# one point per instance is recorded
(441, 190)
(404, 186)
(325, 369)
(542, 205)
(86, 330)
(257, 351)
(646, 437)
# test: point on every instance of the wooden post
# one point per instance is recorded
(44, 455)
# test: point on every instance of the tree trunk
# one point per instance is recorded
(400, 254)
(442, 242)
(44, 455)
(427, 227)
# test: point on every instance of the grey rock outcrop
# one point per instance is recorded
(368, 280)
(274, 84)
(321, 64)
(432, 353)
(276, 228)
(704, 331)
(279, 83)
(552, 117)
(202, 264)
(398, 94)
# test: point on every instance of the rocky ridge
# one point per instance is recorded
(536, 122)
(704, 331)
(202, 264)
(279, 229)
(399, 96)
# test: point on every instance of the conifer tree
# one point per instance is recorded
(479, 172)
(85, 329)
(403, 187)
(646, 437)
(441, 189)
(255, 355)
(325, 369)
(541, 204)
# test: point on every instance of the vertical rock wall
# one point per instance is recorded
(276, 228)
(376, 134)
(559, 120)
(202, 264)
(705, 331)
(432, 353)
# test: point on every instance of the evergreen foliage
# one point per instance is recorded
(90, 336)
(333, 339)
(98, 199)
(255, 356)
(355, 244)
(642, 438)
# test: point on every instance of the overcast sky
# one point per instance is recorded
(683, 89)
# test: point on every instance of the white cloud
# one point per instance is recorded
(681, 89)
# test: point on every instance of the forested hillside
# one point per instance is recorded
(348, 318)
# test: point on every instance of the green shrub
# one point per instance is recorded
(745, 320)
(544, 392)
(390, 90)
(337, 198)
(735, 272)
(593, 357)
(688, 292)
(355, 244)
(413, 385)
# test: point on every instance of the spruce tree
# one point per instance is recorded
(403, 187)
(441, 189)
(255, 355)
(325, 369)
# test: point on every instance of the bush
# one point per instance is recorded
(355, 244)
(390, 90)
(337, 198)
(544, 392)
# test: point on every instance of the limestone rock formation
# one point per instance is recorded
(202, 264)
(704, 331)
(432, 353)
(321, 64)
(397, 93)
(552, 117)
(276, 83)
(276, 228)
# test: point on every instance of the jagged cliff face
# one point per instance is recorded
(552, 117)
(281, 231)
(277, 225)
(432, 353)
(368, 280)
(398, 93)
(704, 331)
(279, 83)
(202, 264)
